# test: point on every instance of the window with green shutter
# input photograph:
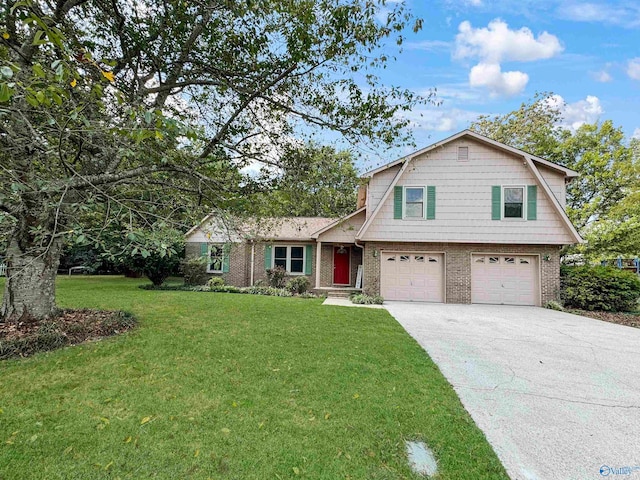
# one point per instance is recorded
(431, 202)
(496, 202)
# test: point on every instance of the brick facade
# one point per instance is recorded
(326, 269)
(458, 265)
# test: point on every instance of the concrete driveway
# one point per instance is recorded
(557, 395)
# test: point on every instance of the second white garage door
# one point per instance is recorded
(504, 279)
(412, 276)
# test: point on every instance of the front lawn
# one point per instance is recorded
(231, 387)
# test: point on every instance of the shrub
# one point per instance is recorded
(215, 282)
(195, 271)
(364, 299)
(298, 285)
(553, 305)
(277, 277)
(599, 288)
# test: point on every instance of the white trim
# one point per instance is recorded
(216, 244)
(509, 254)
(288, 257)
(554, 201)
(567, 172)
(337, 222)
(424, 202)
(523, 218)
(333, 277)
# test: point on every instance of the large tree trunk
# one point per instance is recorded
(30, 290)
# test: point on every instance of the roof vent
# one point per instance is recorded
(463, 154)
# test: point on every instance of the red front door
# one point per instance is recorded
(341, 265)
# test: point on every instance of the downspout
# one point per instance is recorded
(253, 257)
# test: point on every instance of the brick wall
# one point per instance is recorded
(239, 255)
(458, 265)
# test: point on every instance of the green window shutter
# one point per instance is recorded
(267, 257)
(308, 266)
(431, 202)
(397, 203)
(204, 249)
(225, 258)
(496, 202)
(532, 202)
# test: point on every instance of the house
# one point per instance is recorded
(465, 220)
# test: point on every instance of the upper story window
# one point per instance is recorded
(513, 204)
(291, 258)
(216, 259)
(463, 154)
(414, 202)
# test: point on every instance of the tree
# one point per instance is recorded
(101, 99)
(312, 181)
(598, 152)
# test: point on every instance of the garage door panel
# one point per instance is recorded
(412, 276)
(504, 279)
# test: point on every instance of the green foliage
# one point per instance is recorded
(277, 277)
(298, 285)
(364, 299)
(119, 114)
(215, 282)
(599, 288)
(194, 270)
(156, 252)
(553, 305)
(312, 181)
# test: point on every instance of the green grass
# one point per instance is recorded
(231, 387)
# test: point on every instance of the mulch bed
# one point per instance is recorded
(69, 327)
(621, 318)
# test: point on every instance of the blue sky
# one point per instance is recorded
(487, 57)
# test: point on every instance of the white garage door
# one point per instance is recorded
(504, 279)
(412, 276)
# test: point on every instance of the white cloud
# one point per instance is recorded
(633, 68)
(576, 114)
(497, 43)
(627, 15)
(440, 120)
(499, 83)
(602, 76)
(636, 133)
(429, 45)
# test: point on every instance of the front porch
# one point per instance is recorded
(337, 267)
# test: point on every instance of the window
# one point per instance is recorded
(216, 259)
(291, 258)
(509, 260)
(480, 260)
(524, 261)
(513, 202)
(404, 258)
(419, 258)
(391, 259)
(414, 202)
(494, 259)
(433, 260)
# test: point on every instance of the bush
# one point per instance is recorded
(298, 285)
(277, 277)
(364, 299)
(599, 288)
(215, 282)
(195, 271)
(553, 305)
(274, 292)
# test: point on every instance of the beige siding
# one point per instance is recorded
(344, 232)
(556, 183)
(378, 185)
(463, 201)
